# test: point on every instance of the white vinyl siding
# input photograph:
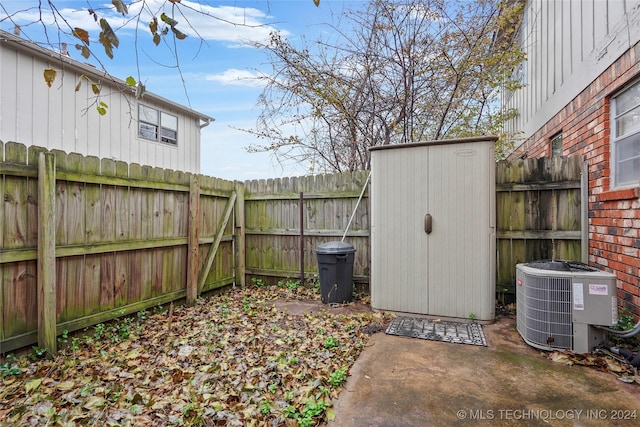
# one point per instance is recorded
(625, 137)
(62, 118)
(568, 43)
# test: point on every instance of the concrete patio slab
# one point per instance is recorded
(399, 381)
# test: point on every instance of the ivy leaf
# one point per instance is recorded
(130, 81)
(81, 34)
(49, 76)
(120, 6)
(95, 88)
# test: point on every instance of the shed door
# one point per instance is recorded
(449, 271)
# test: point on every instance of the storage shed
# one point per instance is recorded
(433, 228)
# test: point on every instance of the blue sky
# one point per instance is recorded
(216, 64)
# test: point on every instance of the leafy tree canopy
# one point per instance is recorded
(394, 72)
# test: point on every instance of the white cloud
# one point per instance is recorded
(235, 25)
(237, 77)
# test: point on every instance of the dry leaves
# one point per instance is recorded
(601, 361)
(233, 359)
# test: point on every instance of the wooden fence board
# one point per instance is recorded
(538, 209)
(93, 234)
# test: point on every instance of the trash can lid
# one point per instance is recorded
(337, 247)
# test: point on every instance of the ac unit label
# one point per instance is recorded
(578, 296)
(598, 289)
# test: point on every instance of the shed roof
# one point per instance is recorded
(436, 142)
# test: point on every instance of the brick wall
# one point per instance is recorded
(614, 216)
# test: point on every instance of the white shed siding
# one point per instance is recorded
(568, 44)
(62, 118)
(451, 271)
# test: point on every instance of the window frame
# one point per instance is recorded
(164, 134)
(615, 139)
(555, 138)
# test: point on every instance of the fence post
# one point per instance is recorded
(194, 235)
(239, 233)
(46, 262)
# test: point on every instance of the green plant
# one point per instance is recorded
(338, 377)
(323, 392)
(314, 282)
(193, 413)
(142, 315)
(247, 307)
(99, 330)
(625, 320)
(330, 342)
(289, 284)
(258, 282)
(124, 328)
(265, 407)
(223, 308)
(472, 316)
(290, 411)
(305, 418)
(273, 387)
(8, 368)
(38, 353)
(64, 337)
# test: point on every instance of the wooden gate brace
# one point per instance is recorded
(214, 247)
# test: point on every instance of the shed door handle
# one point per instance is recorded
(428, 223)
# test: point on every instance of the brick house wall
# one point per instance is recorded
(614, 215)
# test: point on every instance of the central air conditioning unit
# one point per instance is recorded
(559, 303)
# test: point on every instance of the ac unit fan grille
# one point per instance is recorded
(544, 311)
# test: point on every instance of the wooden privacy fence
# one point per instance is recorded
(84, 240)
(123, 238)
(287, 219)
(539, 212)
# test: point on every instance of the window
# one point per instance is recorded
(556, 145)
(157, 125)
(625, 137)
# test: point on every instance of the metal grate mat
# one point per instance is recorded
(434, 330)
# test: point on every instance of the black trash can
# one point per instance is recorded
(335, 270)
